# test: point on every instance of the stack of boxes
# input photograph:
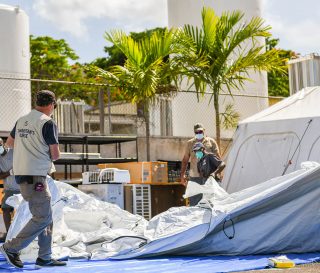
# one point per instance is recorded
(142, 172)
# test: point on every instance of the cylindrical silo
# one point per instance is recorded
(15, 95)
(181, 12)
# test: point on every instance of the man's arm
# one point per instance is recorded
(50, 135)
(10, 139)
(54, 152)
(215, 148)
(218, 170)
(184, 164)
(4, 175)
(10, 142)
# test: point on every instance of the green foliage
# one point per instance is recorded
(230, 117)
(230, 48)
(49, 57)
(278, 83)
(116, 56)
(50, 61)
(147, 70)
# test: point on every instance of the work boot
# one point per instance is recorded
(12, 258)
(48, 263)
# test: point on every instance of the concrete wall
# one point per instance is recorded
(167, 148)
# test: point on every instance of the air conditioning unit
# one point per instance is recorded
(108, 175)
(138, 199)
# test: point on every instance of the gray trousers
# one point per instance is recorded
(40, 225)
(194, 200)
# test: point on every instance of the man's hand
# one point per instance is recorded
(184, 180)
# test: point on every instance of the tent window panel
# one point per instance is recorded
(258, 156)
(314, 154)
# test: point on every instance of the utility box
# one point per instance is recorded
(142, 172)
(111, 193)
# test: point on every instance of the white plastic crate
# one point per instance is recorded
(108, 175)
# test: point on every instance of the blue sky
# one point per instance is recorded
(82, 23)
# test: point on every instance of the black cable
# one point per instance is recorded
(124, 236)
(290, 160)
(223, 228)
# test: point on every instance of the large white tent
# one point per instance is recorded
(275, 141)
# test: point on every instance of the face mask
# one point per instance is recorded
(199, 136)
(199, 154)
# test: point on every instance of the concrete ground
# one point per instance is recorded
(303, 268)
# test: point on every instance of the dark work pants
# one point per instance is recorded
(194, 200)
(40, 225)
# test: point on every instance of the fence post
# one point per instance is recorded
(109, 110)
(101, 106)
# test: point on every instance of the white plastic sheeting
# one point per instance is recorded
(83, 225)
(277, 216)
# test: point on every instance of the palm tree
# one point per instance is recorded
(147, 72)
(230, 48)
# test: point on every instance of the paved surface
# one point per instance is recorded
(304, 268)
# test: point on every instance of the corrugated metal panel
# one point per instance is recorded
(304, 72)
(69, 116)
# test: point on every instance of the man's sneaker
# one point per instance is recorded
(12, 258)
(48, 263)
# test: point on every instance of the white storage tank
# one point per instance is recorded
(15, 95)
(181, 12)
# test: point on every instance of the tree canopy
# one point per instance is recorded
(230, 48)
(116, 56)
(278, 83)
(50, 60)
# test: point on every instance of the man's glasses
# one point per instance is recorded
(199, 132)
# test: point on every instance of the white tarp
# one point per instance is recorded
(279, 215)
(83, 225)
(266, 142)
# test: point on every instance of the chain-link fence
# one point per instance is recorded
(93, 109)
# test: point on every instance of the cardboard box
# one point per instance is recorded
(142, 172)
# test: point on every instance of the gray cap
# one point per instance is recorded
(45, 97)
(198, 126)
(197, 146)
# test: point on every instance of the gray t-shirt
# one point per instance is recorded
(6, 163)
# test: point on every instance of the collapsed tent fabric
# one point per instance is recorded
(278, 216)
(275, 141)
(83, 225)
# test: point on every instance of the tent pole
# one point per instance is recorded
(290, 160)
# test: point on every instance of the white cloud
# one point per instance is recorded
(297, 29)
(130, 15)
